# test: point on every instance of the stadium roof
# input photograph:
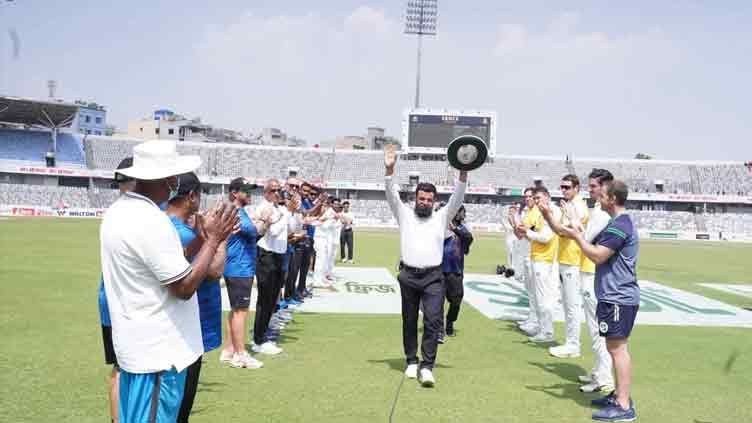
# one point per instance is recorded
(50, 114)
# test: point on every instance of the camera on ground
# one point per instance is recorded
(507, 272)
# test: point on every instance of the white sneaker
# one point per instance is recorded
(585, 379)
(564, 351)
(541, 338)
(426, 378)
(531, 330)
(237, 361)
(250, 362)
(411, 371)
(595, 386)
(267, 348)
(226, 356)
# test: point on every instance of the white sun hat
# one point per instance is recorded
(159, 159)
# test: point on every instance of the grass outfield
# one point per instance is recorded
(347, 368)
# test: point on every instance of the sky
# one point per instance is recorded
(587, 78)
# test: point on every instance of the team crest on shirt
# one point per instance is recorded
(603, 327)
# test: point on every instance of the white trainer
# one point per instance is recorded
(531, 330)
(595, 386)
(411, 371)
(226, 356)
(267, 348)
(237, 361)
(564, 351)
(426, 378)
(541, 338)
(250, 362)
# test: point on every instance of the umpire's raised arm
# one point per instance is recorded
(392, 194)
(458, 196)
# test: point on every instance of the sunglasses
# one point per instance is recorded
(565, 187)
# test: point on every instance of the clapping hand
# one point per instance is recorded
(571, 231)
(220, 222)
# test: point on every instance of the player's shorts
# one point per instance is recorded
(109, 349)
(614, 320)
(239, 291)
(151, 397)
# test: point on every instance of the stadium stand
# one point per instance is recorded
(230, 160)
(32, 146)
(44, 195)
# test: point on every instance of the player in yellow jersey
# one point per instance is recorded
(543, 250)
(601, 377)
(574, 213)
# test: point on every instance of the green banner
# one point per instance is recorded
(663, 235)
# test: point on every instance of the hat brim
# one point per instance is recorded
(184, 164)
(461, 141)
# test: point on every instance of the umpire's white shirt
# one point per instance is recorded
(422, 239)
(141, 254)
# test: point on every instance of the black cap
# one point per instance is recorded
(124, 164)
(242, 184)
(189, 183)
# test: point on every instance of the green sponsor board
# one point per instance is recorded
(501, 298)
(732, 288)
(663, 235)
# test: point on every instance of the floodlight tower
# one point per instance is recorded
(420, 19)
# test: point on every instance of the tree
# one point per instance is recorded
(643, 156)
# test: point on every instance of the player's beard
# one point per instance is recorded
(423, 212)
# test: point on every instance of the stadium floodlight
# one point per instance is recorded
(420, 19)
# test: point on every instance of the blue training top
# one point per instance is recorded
(307, 205)
(616, 279)
(455, 249)
(209, 296)
(104, 311)
(241, 249)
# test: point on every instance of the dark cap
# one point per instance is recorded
(189, 183)
(242, 184)
(124, 164)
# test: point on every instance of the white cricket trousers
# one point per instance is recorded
(323, 253)
(571, 301)
(603, 368)
(546, 295)
(523, 272)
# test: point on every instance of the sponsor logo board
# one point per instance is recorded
(738, 289)
(356, 290)
(501, 298)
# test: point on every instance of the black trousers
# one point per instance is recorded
(189, 393)
(305, 261)
(293, 269)
(269, 277)
(454, 293)
(346, 240)
(426, 288)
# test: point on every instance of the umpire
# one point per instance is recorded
(420, 276)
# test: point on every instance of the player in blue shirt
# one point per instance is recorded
(309, 207)
(183, 209)
(456, 247)
(614, 252)
(124, 184)
(240, 268)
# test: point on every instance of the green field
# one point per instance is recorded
(347, 368)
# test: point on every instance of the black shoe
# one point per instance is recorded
(450, 330)
(440, 340)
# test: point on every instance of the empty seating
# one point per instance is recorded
(32, 146)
